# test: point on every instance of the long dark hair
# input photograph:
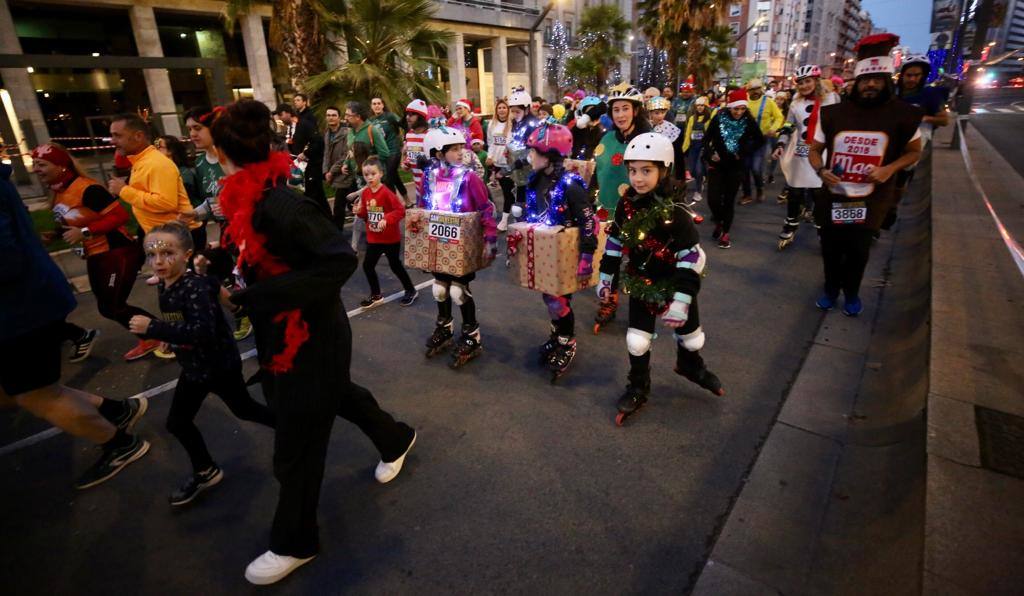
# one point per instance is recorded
(243, 132)
(177, 149)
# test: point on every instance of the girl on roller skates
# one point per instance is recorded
(448, 185)
(555, 197)
(625, 108)
(664, 271)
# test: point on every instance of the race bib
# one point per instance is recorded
(444, 228)
(697, 135)
(681, 118)
(374, 215)
(849, 213)
(801, 149)
(855, 154)
(499, 140)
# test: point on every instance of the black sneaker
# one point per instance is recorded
(134, 408)
(196, 484)
(111, 462)
(373, 299)
(409, 298)
(83, 346)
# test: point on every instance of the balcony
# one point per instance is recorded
(512, 14)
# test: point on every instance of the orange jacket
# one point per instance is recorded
(155, 190)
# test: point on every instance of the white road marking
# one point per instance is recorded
(1005, 110)
(169, 385)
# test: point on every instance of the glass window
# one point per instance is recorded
(735, 10)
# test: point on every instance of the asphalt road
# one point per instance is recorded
(515, 485)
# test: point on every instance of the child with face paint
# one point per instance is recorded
(663, 274)
(194, 325)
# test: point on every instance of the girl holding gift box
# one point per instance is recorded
(555, 197)
(664, 271)
(448, 185)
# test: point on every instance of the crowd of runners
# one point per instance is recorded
(259, 179)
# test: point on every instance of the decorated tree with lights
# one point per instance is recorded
(556, 72)
(602, 34)
(690, 32)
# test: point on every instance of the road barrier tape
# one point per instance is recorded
(169, 385)
(1011, 243)
(79, 138)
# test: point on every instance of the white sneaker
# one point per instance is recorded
(503, 224)
(386, 471)
(270, 568)
(696, 197)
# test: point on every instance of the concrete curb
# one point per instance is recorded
(795, 527)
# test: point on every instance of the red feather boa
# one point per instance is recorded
(238, 198)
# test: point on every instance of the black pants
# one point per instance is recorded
(844, 250)
(341, 205)
(641, 318)
(508, 192)
(468, 306)
(723, 182)
(300, 452)
(189, 396)
(111, 277)
(199, 240)
(391, 177)
(313, 180)
(392, 252)
(797, 200)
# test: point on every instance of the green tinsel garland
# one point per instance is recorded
(639, 223)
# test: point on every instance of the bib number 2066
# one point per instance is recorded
(444, 232)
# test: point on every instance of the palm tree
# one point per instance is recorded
(391, 52)
(685, 28)
(713, 54)
(602, 32)
(295, 32)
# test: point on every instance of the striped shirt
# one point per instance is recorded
(413, 151)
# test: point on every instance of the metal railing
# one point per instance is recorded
(502, 6)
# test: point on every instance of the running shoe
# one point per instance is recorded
(386, 471)
(144, 347)
(826, 302)
(244, 328)
(134, 408)
(724, 242)
(696, 198)
(197, 483)
(409, 298)
(111, 462)
(746, 200)
(83, 347)
(270, 568)
(373, 299)
(164, 351)
(852, 307)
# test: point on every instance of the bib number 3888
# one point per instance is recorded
(444, 232)
(849, 213)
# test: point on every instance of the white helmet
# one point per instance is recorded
(520, 98)
(437, 139)
(917, 59)
(650, 146)
(627, 92)
(418, 106)
(807, 70)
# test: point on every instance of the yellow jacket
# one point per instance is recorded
(771, 117)
(155, 190)
(710, 113)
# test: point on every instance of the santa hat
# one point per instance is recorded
(737, 98)
(568, 98)
(464, 103)
(873, 55)
(418, 106)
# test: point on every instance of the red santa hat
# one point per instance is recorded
(873, 55)
(464, 103)
(737, 98)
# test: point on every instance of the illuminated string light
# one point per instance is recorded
(555, 214)
(452, 200)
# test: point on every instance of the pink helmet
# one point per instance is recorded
(551, 138)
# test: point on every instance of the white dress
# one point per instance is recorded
(794, 163)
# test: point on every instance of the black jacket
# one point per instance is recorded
(303, 236)
(580, 211)
(714, 144)
(307, 139)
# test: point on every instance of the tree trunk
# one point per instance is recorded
(295, 32)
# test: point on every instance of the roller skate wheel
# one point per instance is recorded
(620, 418)
(698, 219)
(597, 328)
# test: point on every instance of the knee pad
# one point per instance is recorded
(638, 342)
(558, 306)
(692, 342)
(460, 294)
(517, 211)
(440, 290)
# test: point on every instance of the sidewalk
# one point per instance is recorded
(849, 494)
(974, 535)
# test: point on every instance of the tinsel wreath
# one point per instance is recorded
(240, 194)
(636, 232)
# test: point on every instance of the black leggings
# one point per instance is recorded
(508, 191)
(391, 177)
(392, 252)
(641, 318)
(189, 396)
(845, 250)
(797, 200)
(723, 182)
(111, 277)
(444, 304)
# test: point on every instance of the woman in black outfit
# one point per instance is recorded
(294, 262)
(732, 136)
